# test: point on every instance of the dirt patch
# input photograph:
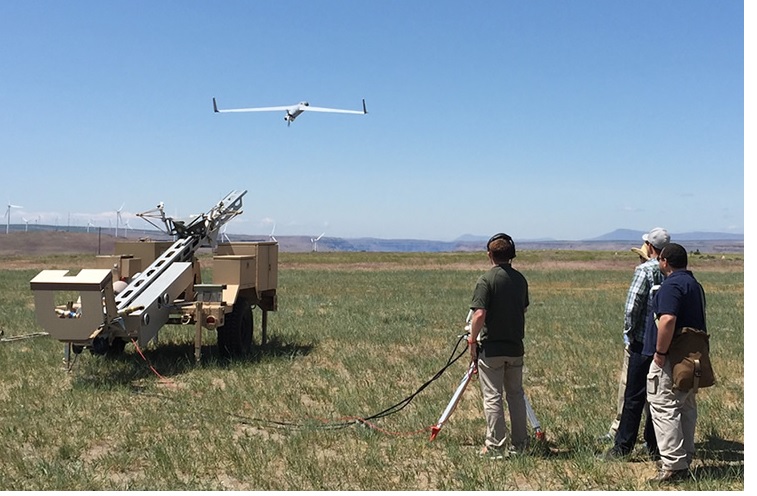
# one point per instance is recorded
(45, 243)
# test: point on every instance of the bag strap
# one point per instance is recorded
(697, 375)
(704, 306)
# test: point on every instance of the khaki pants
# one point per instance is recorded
(501, 379)
(674, 415)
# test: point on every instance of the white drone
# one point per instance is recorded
(291, 111)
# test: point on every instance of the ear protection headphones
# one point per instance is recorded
(499, 236)
(502, 236)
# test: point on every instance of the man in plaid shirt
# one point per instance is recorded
(643, 254)
(647, 278)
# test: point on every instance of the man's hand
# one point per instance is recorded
(659, 360)
(473, 349)
(666, 324)
(477, 322)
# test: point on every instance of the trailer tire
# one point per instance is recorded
(100, 346)
(117, 347)
(235, 336)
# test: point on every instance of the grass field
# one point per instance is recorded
(355, 334)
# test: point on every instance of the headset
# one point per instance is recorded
(510, 253)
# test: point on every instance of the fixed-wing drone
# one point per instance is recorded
(291, 111)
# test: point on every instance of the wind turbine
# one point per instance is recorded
(118, 217)
(90, 224)
(270, 236)
(224, 235)
(127, 227)
(26, 227)
(8, 216)
(315, 241)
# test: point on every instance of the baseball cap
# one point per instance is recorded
(657, 237)
(643, 252)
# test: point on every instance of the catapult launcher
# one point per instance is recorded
(145, 285)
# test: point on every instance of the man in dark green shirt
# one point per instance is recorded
(499, 304)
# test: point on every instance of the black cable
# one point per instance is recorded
(362, 420)
(384, 413)
(396, 407)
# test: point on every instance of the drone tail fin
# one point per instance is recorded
(215, 107)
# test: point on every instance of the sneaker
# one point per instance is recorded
(613, 455)
(606, 438)
(521, 449)
(493, 453)
(668, 476)
(652, 455)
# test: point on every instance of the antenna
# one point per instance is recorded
(8, 216)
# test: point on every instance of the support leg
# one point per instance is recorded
(263, 328)
(198, 330)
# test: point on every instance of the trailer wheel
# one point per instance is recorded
(100, 346)
(235, 336)
(117, 346)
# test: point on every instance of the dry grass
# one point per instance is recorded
(355, 332)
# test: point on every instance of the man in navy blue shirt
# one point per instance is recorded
(680, 302)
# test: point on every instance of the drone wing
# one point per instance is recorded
(253, 109)
(340, 111)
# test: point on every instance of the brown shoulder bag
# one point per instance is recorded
(689, 355)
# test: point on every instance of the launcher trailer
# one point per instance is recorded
(145, 285)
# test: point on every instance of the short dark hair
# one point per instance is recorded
(676, 255)
(502, 247)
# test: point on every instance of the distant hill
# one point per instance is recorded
(622, 235)
(631, 235)
(40, 241)
(472, 238)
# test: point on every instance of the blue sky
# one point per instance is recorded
(540, 118)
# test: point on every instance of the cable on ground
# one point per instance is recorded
(345, 421)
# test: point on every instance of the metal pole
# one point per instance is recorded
(198, 330)
(264, 326)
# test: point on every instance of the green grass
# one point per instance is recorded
(354, 334)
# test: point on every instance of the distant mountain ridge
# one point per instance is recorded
(625, 235)
(21, 241)
(630, 234)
